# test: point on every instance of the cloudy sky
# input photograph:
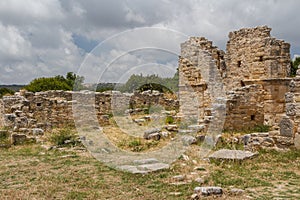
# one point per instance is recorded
(51, 37)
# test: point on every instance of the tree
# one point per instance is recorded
(56, 83)
(150, 82)
(294, 66)
(5, 91)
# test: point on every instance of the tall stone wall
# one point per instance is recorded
(254, 72)
(199, 62)
(252, 53)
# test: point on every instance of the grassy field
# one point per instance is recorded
(32, 172)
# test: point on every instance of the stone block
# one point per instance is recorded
(297, 141)
(286, 127)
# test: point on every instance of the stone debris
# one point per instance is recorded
(144, 166)
(208, 191)
(178, 178)
(188, 140)
(236, 191)
(152, 134)
(226, 154)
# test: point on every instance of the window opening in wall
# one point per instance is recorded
(260, 58)
(242, 83)
(252, 117)
(38, 104)
(239, 63)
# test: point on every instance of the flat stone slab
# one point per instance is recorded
(144, 166)
(228, 154)
(145, 161)
(153, 167)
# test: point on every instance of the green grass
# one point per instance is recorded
(31, 172)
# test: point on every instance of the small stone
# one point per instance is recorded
(37, 131)
(194, 197)
(175, 194)
(200, 168)
(207, 191)
(236, 191)
(153, 136)
(188, 140)
(228, 154)
(196, 127)
(199, 180)
(153, 167)
(172, 127)
(178, 178)
(165, 134)
(47, 147)
(185, 157)
(18, 138)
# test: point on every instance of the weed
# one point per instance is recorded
(169, 120)
(64, 137)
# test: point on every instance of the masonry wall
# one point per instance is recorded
(252, 53)
(245, 108)
(254, 71)
(50, 109)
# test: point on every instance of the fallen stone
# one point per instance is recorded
(153, 167)
(184, 131)
(178, 178)
(145, 161)
(188, 140)
(227, 154)
(185, 157)
(18, 138)
(165, 134)
(196, 127)
(207, 191)
(236, 191)
(37, 131)
(150, 131)
(132, 169)
(195, 197)
(153, 136)
(200, 168)
(199, 180)
(286, 127)
(175, 193)
(172, 127)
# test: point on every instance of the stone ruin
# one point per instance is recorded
(254, 74)
(250, 82)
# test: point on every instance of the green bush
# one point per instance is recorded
(64, 137)
(6, 91)
(169, 120)
(71, 82)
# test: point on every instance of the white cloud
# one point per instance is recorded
(13, 46)
(36, 36)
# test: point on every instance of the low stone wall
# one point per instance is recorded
(25, 111)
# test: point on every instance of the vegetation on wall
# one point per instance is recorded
(6, 91)
(294, 66)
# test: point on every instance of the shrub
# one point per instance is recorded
(169, 120)
(64, 137)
